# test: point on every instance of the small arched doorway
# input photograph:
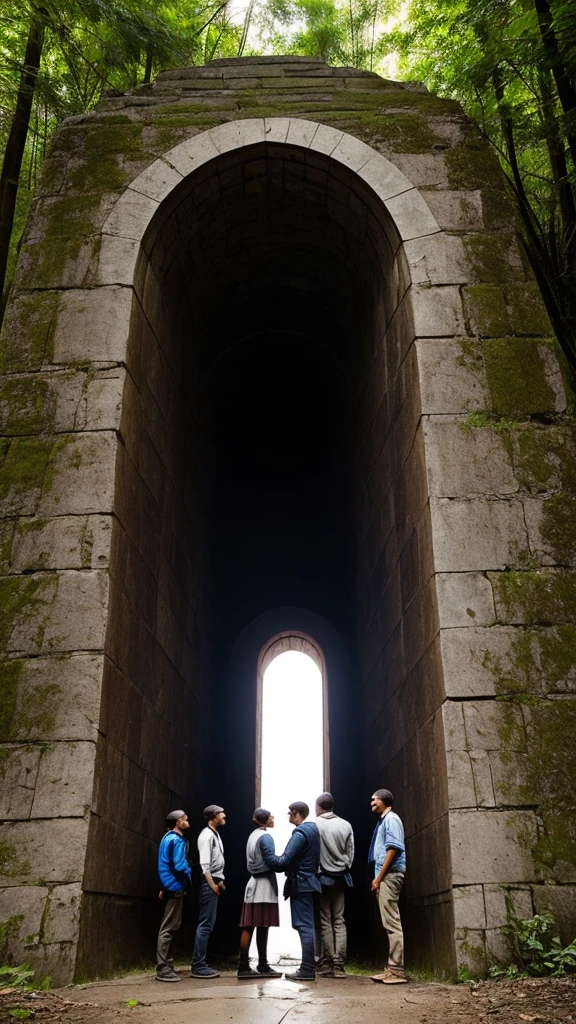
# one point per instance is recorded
(292, 756)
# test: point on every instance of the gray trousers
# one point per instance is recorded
(171, 921)
(388, 894)
(332, 924)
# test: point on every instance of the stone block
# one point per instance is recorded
(465, 462)
(484, 783)
(53, 698)
(477, 534)
(456, 211)
(62, 918)
(450, 380)
(469, 909)
(18, 770)
(485, 846)
(352, 153)
(464, 599)
(461, 790)
(523, 376)
(69, 614)
(495, 897)
(81, 478)
(527, 310)
(276, 128)
(560, 900)
(67, 542)
(535, 598)
(471, 949)
(454, 729)
(384, 177)
(64, 782)
(131, 215)
(423, 169)
(486, 311)
(192, 153)
(157, 181)
(21, 911)
(238, 133)
(474, 659)
(43, 852)
(117, 260)
(427, 848)
(325, 139)
(301, 132)
(437, 259)
(437, 311)
(101, 315)
(485, 721)
(412, 216)
(102, 406)
(27, 330)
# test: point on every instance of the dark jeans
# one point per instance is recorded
(207, 910)
(171, 921)
(302, 910)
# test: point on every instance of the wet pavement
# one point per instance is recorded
(352, 1000)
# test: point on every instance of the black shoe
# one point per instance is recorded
(324, 970)
(265, 971)
(167, 976)
(301, 975)
(245, 973)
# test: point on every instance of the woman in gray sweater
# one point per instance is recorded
(260, 909)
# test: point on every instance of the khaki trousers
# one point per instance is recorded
(388, 893)
(332, 925)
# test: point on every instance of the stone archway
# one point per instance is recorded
(443, 514)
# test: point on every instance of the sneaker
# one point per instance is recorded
(301, 975)
(244, 973)
(167, 976)
(324, 970)
(265, 971)
(204, 972)
(339, 971)
(391, 977)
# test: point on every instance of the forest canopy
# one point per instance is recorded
(511, 63)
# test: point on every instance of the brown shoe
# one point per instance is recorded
(391, 977)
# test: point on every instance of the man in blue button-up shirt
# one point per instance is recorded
(388, 851)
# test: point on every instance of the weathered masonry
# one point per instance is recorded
(274, 362)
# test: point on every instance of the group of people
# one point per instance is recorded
(317, 862)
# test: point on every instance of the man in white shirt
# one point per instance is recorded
(336, 856)
(211, 856)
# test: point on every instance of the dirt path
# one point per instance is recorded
(355, 1000)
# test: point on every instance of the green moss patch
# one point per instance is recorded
(26, 711)
(26, 339)
(473, 165)
(27, 470)
(535, 597)
(27, 406)
(517, 376)
(486, 310)
(494, 257)
(19, 594)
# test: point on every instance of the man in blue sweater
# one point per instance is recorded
(300, 861)
(175, 874)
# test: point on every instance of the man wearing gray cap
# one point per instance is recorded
(211, 856)
(174, 873)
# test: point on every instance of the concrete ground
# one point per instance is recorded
(354, 1000)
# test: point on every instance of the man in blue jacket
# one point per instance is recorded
(175, 874)
(300, 861)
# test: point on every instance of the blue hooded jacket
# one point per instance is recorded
(173, 867)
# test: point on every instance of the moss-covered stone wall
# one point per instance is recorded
(465, 615)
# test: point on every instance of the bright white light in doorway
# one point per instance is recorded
(292, 760)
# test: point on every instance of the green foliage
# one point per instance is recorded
(536, 948)
(16, 977)
(131, 1003)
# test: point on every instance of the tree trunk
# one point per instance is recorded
(564, 86)
(10, 175)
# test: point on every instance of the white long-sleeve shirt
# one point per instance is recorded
(211, 852)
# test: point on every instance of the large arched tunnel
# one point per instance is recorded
(271, 477)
